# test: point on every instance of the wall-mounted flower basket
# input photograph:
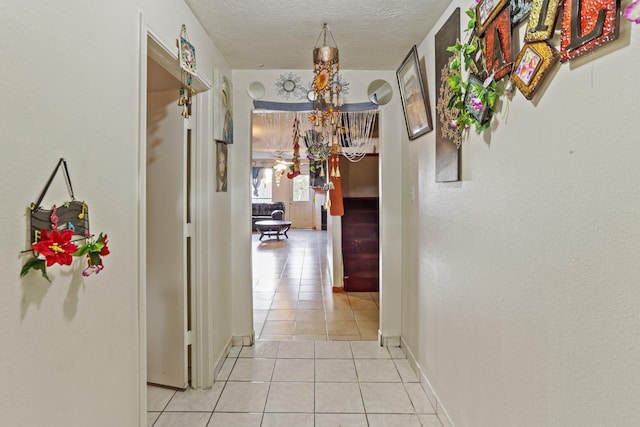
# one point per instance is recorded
(62, 232)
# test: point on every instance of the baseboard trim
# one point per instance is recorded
(244, 339)
(441, 412)
(337, 289)
(220, 362)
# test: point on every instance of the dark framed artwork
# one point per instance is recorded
(486, 11)
(448, 138)
(587, 25)
(531, 66)
(415, 101)
(221, 166)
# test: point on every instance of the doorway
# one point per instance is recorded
(167, 150)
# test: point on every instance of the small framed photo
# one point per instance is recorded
(415, 101)
(486, 10)
(531, 66)
(472, 102)
(187, 56)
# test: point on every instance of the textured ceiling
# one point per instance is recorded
(263, 34)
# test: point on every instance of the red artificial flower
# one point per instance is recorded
(57, 247)
(105, 250)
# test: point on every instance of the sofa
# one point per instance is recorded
(266, 211)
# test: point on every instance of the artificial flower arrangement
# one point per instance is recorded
(57, 248)
(481, 95)
(632, 12)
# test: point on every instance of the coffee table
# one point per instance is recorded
(273, 228)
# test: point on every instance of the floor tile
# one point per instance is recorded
(294, 370)
(335, 370)
(287, 420)
(342, 327)
(366, 315)
(335, 314)
(310, 327)
(396, 353)
(369, 350)
(386, 398)
(310, 337)
(183, 419)
(310, 315)
(284, 304)
(338, 398)
(234, 351)
(252, 370)
(296, 350)
(334, 337)
(158, 397)
(152, 417)
(243, 397)
(278, 327)
(377, 370)
(393, 420)
(192, 400)
(263, 349)
(290, 397)
(310, 305)
(281, 315)
(429, 421)
(333, 350)
(419, 399)
(235, 420)
(406, 371)
(341, 420)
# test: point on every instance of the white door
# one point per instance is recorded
(301, 201)
(166, 243)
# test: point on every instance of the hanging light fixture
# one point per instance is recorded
(326, 88)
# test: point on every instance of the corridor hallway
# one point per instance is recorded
(316, 361)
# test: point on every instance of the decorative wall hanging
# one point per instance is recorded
(486, 11)
(587, 25)
(187, 59)
(519, 10)
(415, 100)
(498, 45)
(542, 20)
(447, 137)
(221, 167)
(222, 108)
(290, 86)
(531, 66)
(54, 233)
(473, 99)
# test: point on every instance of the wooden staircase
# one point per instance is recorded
(360, 244)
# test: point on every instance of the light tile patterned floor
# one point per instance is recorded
(293, 296)
(301, 384)
(316, 362)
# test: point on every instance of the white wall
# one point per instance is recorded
(71, 349)
(520, 297)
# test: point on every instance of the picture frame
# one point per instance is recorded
(532, 66)
(486, 11)
(222, 108)
(480, 114)
(221, 167)
(415, 100)
(187, 56)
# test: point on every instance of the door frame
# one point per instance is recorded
(165, 53)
